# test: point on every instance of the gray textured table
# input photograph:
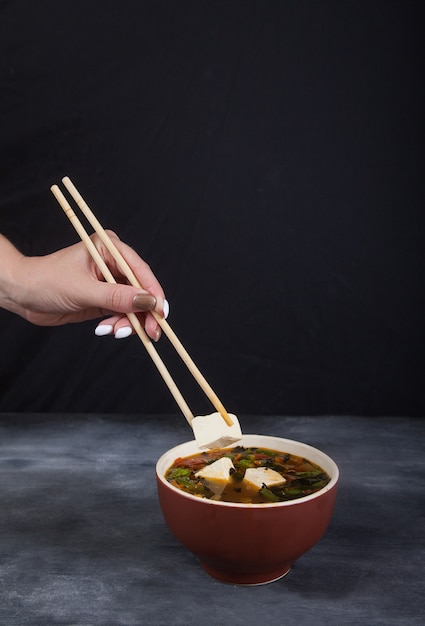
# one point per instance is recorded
(82, 539)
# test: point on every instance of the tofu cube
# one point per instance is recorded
(211, 431)
(219, 470)
(256, 477)
(217, 474)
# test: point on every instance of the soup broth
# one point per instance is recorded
(302, 477)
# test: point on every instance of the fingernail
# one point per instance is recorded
(166, 309)
(157, 334)
(144, 302)
(103, 329)
(124, 332)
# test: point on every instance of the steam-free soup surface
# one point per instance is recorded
(302, 476)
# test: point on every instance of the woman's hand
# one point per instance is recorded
(67, 286)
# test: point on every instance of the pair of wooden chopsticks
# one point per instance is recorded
(134, 320)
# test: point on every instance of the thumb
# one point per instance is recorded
(119, 298)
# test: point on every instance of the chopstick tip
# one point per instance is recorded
(226, 417)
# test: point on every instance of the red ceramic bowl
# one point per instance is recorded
(248, 544)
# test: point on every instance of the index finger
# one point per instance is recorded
(141, 270)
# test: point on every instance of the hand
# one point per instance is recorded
(66, 287)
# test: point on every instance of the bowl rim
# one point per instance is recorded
(243, 505)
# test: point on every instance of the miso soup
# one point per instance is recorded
(301, 476)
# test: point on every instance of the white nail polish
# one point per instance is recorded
(124, 332)
(166, 309)
(103, 329)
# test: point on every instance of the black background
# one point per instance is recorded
(265, 157)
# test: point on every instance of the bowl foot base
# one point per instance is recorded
(246, 579)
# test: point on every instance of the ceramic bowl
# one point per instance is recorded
(248, 544)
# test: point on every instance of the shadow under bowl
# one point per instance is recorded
(248, 544)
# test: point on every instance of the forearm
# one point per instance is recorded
(10, 259)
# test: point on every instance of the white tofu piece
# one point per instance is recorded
(219, 470)
(211, 431)
(256, 477)
(217, 474)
